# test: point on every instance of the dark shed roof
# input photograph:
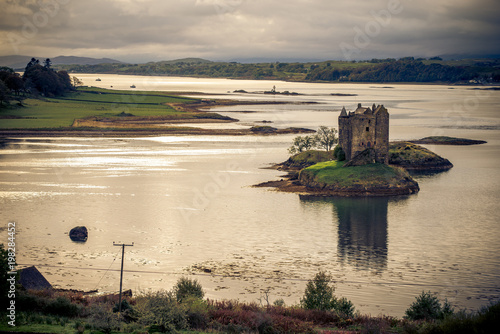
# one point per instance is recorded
(31, 279)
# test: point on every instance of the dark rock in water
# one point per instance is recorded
(79, 233)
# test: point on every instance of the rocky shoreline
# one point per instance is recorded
(399, 183)
(127, 125)
(146, 132)
(306, 184)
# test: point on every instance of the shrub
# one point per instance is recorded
(344, 307)
(319, 293)
(79, 327)
(197, 312)
(428, 307)
(186, 287)
(486, 320)
(129, 314)
(282, 324)
(161, 311)
(103, 318)
(338, 153)
(125, 306)
(62, 306)
(279, 302)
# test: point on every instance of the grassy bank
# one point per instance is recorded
(307, 158)
(331, 178)
(46, 113)
(332, 173)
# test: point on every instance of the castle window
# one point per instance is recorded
(367, 128)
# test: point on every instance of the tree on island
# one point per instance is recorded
(301, 144)
(324, 138)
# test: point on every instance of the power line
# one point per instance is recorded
(106, 271)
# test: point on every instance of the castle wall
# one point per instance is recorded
(345, 135)
(382, 136)
(365, 128)
(363, 133)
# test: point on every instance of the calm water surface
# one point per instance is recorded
(188, 205)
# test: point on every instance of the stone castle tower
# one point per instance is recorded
(365, 128)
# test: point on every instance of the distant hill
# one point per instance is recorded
(185, 61)
(19, 62)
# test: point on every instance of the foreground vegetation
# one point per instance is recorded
(183, 310)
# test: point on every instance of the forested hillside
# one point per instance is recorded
(376, 70)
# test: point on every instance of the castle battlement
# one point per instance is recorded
(365, 128)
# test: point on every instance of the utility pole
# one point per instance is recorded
(121, 274)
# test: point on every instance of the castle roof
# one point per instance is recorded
(381, 108)
(363, 110)
(343, 113)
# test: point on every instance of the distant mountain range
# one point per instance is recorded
(18, 62)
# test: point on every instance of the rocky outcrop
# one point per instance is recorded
(79, 234)
(415, 157)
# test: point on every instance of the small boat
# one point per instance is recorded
(133, 86)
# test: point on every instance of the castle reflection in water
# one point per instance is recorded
(362, 229)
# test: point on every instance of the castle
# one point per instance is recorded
(365, 128)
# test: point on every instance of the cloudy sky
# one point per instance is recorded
(152, 30)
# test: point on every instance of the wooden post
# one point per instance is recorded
(121, 274)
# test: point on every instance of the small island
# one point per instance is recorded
(415, 157)
(363, 163)
(445, 140)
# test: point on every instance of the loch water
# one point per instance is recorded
(188, 205)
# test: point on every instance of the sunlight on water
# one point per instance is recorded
(187, 203)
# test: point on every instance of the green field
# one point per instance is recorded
(62, 111)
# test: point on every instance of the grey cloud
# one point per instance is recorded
(227, 29)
